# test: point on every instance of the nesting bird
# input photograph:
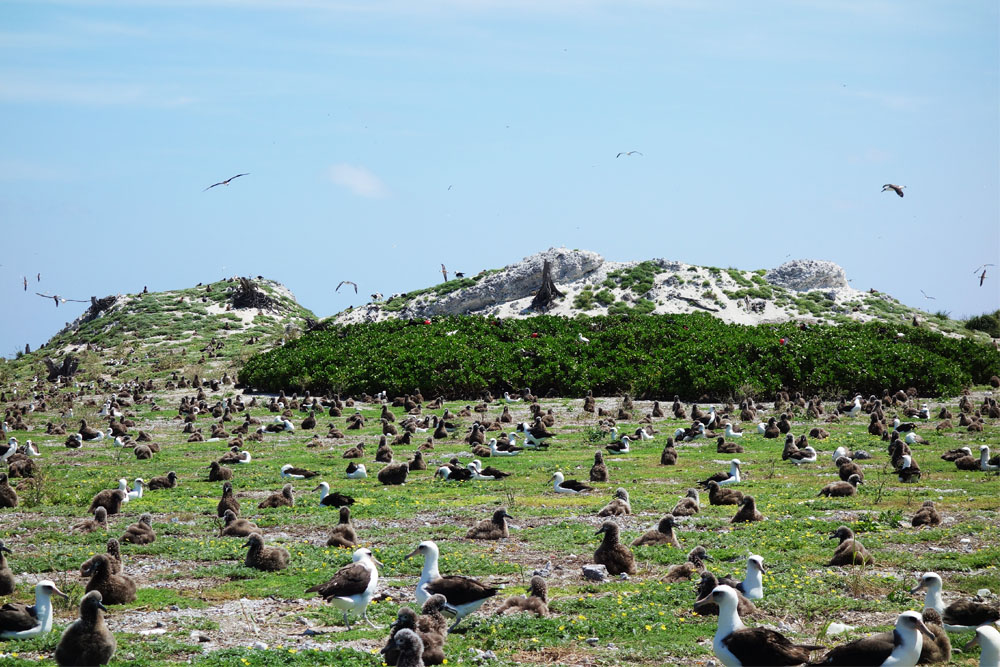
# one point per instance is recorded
(901, 648)
(618, 506)
(535, 602)
(87, 640)
(393, 474)
(493, 528)
(283, 498)
(228, 501)
(464, 594)
(695, 564)
(236, 527)
(961, 615)
(140, 532)
(599, 471)
(850, 551)
(662, 534)
(114, 588)
(335, 499)
(841, 489)
(563, 485)
(612, 554)
(927, 515)
(21, 621)
(689, 505)
(747, 512)
(260, 557)
(7, 581)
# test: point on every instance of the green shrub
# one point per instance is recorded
(988, 323)
(605, 297)
(648, 355)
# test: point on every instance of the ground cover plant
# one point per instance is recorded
(656, 355)
(197, 602)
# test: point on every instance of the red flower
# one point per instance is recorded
(782, 341)
(427, 321)
(534, 335)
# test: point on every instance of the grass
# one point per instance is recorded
(646, 621)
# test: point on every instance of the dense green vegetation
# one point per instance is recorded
(650, 356)
(988, 322)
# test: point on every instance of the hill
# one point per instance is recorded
(211, 327)
(799, 290)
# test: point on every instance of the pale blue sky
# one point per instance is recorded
(767, 129)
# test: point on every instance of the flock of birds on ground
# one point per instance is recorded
(419, 638)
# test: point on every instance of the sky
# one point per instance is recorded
(385, 137)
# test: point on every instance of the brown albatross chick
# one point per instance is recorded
(406, 619)
(494, 528)
(110, 499)
(841, 489)
(228, 501)
(692, 566)
(718, 495)
(432, 627)
(115, 588)
(219, 473)
(99, 522)
(688, 505)
(748, 511)
(268, 559)
(668, 456)
(236, 527)
(619, 505)
(599, 471)
(927, 515)
(140, 532)
(114, 550)
(612, 554)
(168, 481)
(394, 474)
(850, 551)
(7, 581)
(87, 640)
(343, 534)
(283, 498)
(409, 649)
(662, 534)
(536, 602)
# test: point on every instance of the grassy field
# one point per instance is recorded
(193, 585)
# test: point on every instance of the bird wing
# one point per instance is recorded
(575, 485)
(17, 617)
(237, 176)
(46, 296)
(619, 155)
(460, 590)
(213, 185)
(301, 471)
(760, 646)
(351, 579)
(926, 295)
(871, 650)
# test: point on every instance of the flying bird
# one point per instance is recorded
(898, 189)
(226, 182)
(444, 272)
(926, 296)
(627, 153)
(346, 282)
(982, 277)
(39, 277)
(58, 299)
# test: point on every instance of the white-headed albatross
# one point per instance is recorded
(353, 586)
(902, 651)
(736, 645)
(563, 485)
(21, 621)
(732, 477)
(959, 616)
(464, 594)
(752, 586)
(988, 639)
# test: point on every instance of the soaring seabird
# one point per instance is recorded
(898, 189)
(563, 485)
(902, 651)
(21, 621)
(736, 645)
(464, 594)
(959, 616)
(226, 182)
(353, 586)
(87, 641)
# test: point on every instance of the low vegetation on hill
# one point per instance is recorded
(693, 355)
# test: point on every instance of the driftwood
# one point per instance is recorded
(67, 368)
(548, 292)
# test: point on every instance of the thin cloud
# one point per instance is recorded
(359, 180)
(19, 88)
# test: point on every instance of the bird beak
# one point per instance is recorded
(600, 530)
(377, 562)
(924, 629)
(707, 557)
(707, 598)
(412, 553)
(60, 593)
(832, 536)
(551, 478)
(762, 568)
(386, 648)
(508, 516)
(973, 642)
(916, 589)
(100, 605)
(449, 610)
(317, 488)
(6, 549)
